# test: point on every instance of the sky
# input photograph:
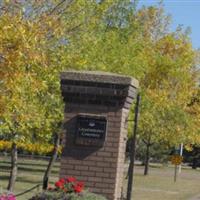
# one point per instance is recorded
(183, 12)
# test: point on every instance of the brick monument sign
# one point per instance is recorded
(95, 124)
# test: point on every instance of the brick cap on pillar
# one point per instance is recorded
(99, 77)
(98, 88)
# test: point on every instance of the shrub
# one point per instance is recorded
(74, 196)
(67, 189)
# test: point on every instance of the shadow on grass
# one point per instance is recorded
(27, 180)
(56, 165)
(3, 162)
(39, 165)
(26, 169)
(5, 167)
(156, 166)
(21, 179)
(4, 177)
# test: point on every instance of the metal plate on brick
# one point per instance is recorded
(91, 130)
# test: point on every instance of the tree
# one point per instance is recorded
(142, 46)
(168, 87)
(42, 38)
(36, 37)
(27, 96)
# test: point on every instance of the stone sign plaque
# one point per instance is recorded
(91, 130)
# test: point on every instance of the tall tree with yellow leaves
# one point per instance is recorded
(26, 97)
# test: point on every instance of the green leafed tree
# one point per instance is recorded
(167, 87)
(30, 96)
(42, 38)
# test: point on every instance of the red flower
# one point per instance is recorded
(62, 180)
(77, 188)
(81, 184)
(59, 184)
(69, 184)
(70, 179)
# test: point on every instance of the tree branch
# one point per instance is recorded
(59, 4)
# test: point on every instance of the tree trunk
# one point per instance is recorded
(13, 170)
(51, 161)
(147, 157)
(194, 163)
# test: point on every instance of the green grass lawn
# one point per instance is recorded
(30, 173)
(159, 185)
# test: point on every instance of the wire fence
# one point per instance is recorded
(31, 169)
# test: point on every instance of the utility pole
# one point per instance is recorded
(181, 154)
(132, 151)
(175, 172)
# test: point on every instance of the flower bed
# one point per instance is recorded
(7, 197)
(68, 188)
(68, 185)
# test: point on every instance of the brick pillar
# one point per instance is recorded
(97, 162)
